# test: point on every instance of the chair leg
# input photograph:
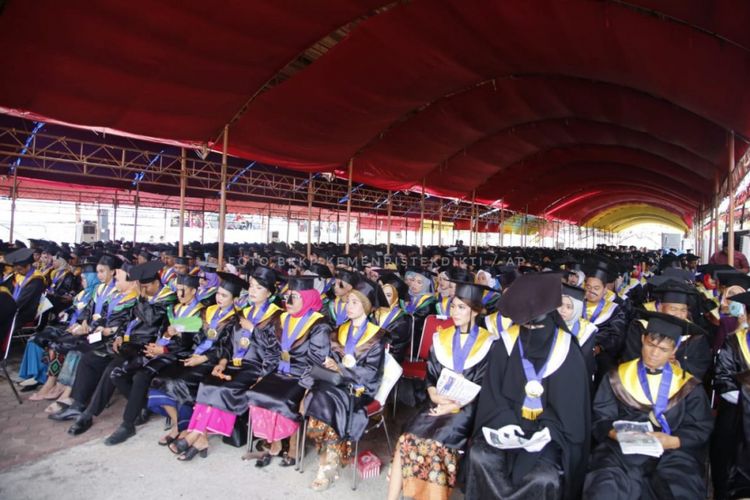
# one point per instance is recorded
(354, 466)
(297, 453)
(249, 433)
(395, 399)
(12, 385)
(387, 436)
(302, 448)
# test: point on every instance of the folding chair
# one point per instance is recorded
(375, 411)
(417, 368)
(8, 337)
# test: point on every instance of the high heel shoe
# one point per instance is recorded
(191, 452)
(179, 446)
(167, 440)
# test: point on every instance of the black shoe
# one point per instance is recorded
(29, 388)
(66, 414)
(121, 434)
(178, 446)
(263, 461)
(191, 452)
(143, 417)
(81, 425)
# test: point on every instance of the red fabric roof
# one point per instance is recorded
(537, 102)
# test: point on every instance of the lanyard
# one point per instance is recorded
(287, 340)
(340, 312)
(102, 298)
(389, 319)
(353, 339)
(256, 318)
(597, 311)
(18, 288)
(460, 354)
(662, 397)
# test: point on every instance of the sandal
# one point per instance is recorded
(55, 393)
(287, 461)
(191, 452)
(327, 474)
(263, 460)
(179, 446)
(167, 440)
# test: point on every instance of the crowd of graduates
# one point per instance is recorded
(563, 343)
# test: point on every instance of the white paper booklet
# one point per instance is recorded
(455, 387)
(634, 440)
(511, 437)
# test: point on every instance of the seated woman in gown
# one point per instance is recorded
(303, 341)
(337, 409)
(537, 385)
(425, 465)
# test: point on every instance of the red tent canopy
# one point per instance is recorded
(540, 103)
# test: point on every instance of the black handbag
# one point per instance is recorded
(321, 374)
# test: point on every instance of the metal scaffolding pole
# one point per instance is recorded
(13, 196)
(388, 238)
(349, 204)
(114, 227)
(183, 187)
(309, 214)
(223, 198)
(137, 202)
(730, 193)
(421, 220)
(440, 224)
(203, 221)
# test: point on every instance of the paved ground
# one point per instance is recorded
(39, 460)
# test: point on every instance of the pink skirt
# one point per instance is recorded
(270, 425)
(211, 420)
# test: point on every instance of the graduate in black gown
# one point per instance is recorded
(420, 302)
(541, 385)
(304, 341)
(180, 382)
(392, 317)
(28, 285)
(335, 309)
(730, 444)
(694, 352)
(248, 354)
(582, 329)
(174, 345)
(425, 464)
(150, 318)
(336, 411)
(654, 389)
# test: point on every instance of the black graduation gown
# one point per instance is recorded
(181, 382)
(282, 393)
(333, 404)
(28, 299)
(730, 453)
(61, 292)
(694, 353)
(260, 359)
(677, 474)
(117, 312)
(180, 346)
(418, 317)
(610, 336)
(399, 333)
(519, 474)
(454, 429)
(8, 308)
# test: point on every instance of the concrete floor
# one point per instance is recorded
(39, 460)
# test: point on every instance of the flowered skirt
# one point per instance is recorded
(328, 442)
(428, 468)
